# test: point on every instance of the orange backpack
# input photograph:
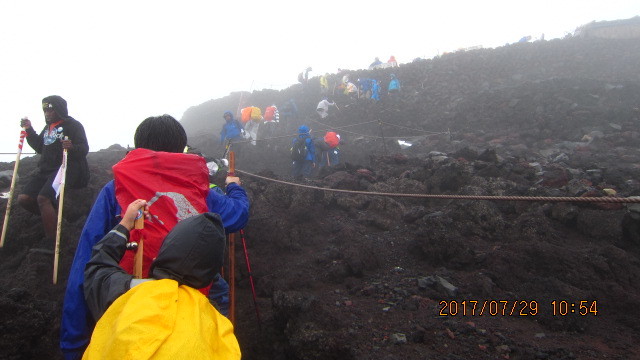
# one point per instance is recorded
(246, 114)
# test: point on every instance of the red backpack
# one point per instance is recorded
(332, 139)
(270, 113)
(174, 184)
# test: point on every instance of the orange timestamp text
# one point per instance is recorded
(516, 307)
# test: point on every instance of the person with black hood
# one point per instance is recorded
(157, 167)
(164, 316)
(60, 132)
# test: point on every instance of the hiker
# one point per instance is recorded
(375, 63)
(176, 186)
(375, 90)
(365, 86)
(61, 132)
(327, 151)
(323, 107)
(303, 77)
(302, 154)
(394, 86)
(324, 84)
(271, 120)
(351, 90)
(392, 61)
(163, 316)
(232, 130)
(251, 116)
(288, 112)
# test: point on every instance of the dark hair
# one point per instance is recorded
(160, 133)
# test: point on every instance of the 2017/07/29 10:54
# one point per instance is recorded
(515, 307)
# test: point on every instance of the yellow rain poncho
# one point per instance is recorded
(159, 319)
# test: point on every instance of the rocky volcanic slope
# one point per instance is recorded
(342, 276)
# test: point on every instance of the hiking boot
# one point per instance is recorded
(45, 247)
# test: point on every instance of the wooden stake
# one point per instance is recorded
(138, 259)
(23, 134)
(56, 251)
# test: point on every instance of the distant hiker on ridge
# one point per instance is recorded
(375, 63)
(38, 195)
(302, 154)
(323, 107)
(324, 84)
(394, 86)
(232, 130)
(392, 61)
(271, 120)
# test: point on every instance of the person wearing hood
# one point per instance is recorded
(61, 132)
(157, 166)
(232, 130)
(303, 153)
(394, 86)
(323, 107)
(375, 63)
(163, 316)
(324, 84)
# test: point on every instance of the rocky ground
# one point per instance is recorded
(359, 276)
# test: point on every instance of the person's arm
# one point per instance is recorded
(233, 207)
(79, 146)
(104, 279)
(33, 139)
(77, 323)
(223, 134)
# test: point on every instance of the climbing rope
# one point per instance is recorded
(606, 199)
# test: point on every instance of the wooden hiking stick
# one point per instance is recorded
(23, 134)
(232, 254)
(138, 260)
(63, 180)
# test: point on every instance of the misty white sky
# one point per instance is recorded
(118, 62)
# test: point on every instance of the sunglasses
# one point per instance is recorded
(47, 106)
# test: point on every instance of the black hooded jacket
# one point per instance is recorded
(51, 150)
(191, 254)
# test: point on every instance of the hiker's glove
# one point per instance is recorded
(25, 123)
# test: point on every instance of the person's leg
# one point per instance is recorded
(46, 200)
(297, 169)
(307, 167)
(48, 214)
(27, 198)
(28, 203)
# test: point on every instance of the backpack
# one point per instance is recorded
(332, 139)
(270, 113)
(256, 114)
(299, 150)
(245, 114)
